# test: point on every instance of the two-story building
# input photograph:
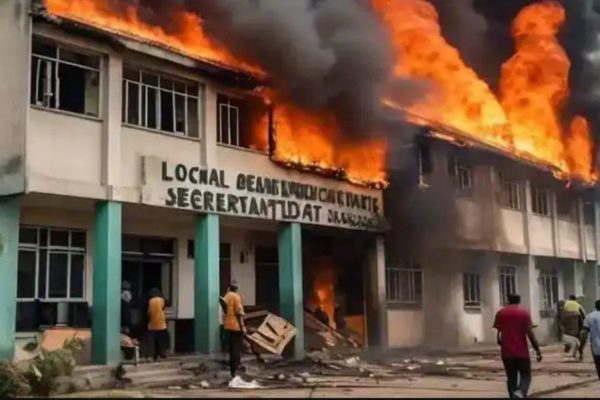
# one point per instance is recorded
(483, 225)
(124, 160)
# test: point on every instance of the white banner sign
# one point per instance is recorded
(235, 193)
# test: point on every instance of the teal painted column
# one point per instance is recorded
(206, 284)
(106, 308)
(291, 304)
(9, 255)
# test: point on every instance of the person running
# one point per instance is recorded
(592, 325)
(233, 322)
(514, 326)
(572, 317)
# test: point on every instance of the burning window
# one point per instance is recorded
(540, 201)
(472, 290)
(51, 264)
(548, 291)
(510, 196)
(64, 79)
(159, 102)
(237, 122)
(508, 282)
(405, 285)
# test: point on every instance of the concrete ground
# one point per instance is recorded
(473, 375)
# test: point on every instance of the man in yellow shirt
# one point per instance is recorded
(233, 322)
(157, 323)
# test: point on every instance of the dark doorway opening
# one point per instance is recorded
(267, 278)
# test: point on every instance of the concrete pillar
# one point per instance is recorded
(9, 256)
(590, 285)
(206, 286)
(291, 304)
(111, 126)
(569, 277)
(528, 287)
(376, 312)
(209, 118)
(490, 293)
(106, 310)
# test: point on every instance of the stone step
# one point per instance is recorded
(161, 381)
(158, 372)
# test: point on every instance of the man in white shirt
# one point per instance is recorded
(592, 325)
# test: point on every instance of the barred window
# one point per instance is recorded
(405, 285)
(64, 79)
(540, 201)
(160, 102)
(548, 290)
(51, 264)
(508, 282)
(511, 194)
(472, 290)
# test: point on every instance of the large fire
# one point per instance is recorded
(534, 85)
(524, 120)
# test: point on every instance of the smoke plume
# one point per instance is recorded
(321, 55)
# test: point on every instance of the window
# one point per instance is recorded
(548, 290)
(589, 213)
(51, 264)
(405, 285)
(425, 162)
(508, 282)
(565, 206)
(155, 101)
(461, 174)
(540, 201)
(511, 194)
(472, 290)
(64, 79)
(228, 121)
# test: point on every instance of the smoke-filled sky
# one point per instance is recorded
(335, 54)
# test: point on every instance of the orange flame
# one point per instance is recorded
(323, 287)
(188, 39)
(302, 138)
(534, 85)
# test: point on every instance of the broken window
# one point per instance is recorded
(155, 101)
(51, 264)
(64, 79)
(540, 201)
(548, 291)
(239, 122)
(508, 282)
(472, 290)
(405, 284)
(510, 194)
(566, 206)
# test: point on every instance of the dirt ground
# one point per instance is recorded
(465, 375)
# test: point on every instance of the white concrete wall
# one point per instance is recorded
(15, 31)
(405, 328)
(568, 239)
(541, 239)
(513, 232)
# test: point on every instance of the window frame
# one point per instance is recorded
(55, 62)
(510, 194)
(549, 289)
(472, 295)
(415, 277)
(192, 92)
(507, 273)
(50, 249)
(536, 192)
(462, 175)
(238, 111)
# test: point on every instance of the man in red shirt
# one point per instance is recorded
(514, 327)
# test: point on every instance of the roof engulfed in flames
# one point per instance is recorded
(525, 120)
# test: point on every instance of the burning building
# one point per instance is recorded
(134, 153)
(151, 141)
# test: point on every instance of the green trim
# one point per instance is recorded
(9, 258)
(290, 282)
(206, 284)
(106, 308)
